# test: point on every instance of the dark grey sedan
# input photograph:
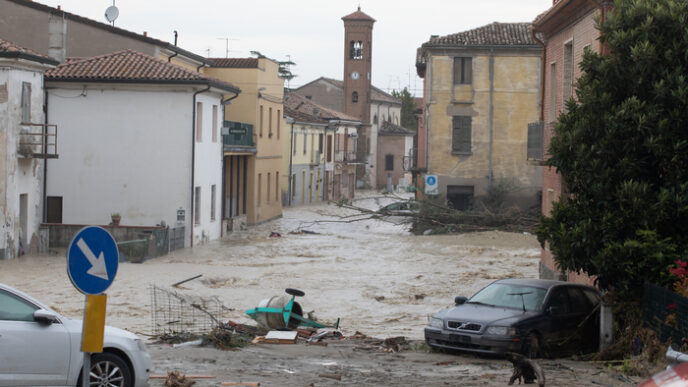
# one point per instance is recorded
(533, 317)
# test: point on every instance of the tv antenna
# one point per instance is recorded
(111, 13)
(227, 45)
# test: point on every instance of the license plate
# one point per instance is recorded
(460, 338)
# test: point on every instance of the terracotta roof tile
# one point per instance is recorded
(311, 111)
(389, 129)
(238, 63)
(376, 94)
(495, 34)
(129, 66)
(8, 49)
(358, 15)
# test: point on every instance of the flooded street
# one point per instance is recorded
(373, 274)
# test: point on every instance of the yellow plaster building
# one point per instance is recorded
(481, 90)
(252, 140)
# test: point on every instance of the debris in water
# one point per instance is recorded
(419, 296)
(187, 280)
(526, 369)
(175, 379)
(379, 298)
(275, 235)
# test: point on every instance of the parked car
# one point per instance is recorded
(39, 347)
(533, 317)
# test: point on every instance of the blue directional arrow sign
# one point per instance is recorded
(92, 260)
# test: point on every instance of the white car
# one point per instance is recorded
(39, 347)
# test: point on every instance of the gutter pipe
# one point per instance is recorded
(542, 77)
(193, 159)
(169, 58)
(490, 176)
(291, 153)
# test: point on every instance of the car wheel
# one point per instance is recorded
(531, 346)
(108, 370)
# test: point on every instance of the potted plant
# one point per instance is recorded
(116, 218)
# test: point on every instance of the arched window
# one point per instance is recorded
(356, 50)
(354, 97)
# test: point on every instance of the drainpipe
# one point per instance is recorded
(291, 153)
(169, 58)
(45, 160)
(489, 177)
(603, 15)
(193, 158)
(542, 76)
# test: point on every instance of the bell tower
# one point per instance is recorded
(358, 39)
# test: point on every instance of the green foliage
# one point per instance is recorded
(408, 108)
(622, 149)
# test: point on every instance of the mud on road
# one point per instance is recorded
(371, 273)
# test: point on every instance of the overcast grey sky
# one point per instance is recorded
(311, 32)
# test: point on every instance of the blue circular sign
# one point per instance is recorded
(431, 180)
(92, 260)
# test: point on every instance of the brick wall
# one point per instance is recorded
(580, 33)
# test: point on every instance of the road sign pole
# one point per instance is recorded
(86, 373)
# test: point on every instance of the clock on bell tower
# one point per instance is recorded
(358, 38)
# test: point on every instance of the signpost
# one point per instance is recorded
(92, 260)
(431, 187)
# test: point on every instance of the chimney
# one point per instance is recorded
(145, 33)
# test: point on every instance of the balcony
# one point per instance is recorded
(237, 137)
(346, 157)
(37, 141)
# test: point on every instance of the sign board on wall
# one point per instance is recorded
(431, 186)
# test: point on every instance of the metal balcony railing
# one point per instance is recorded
(316, 157)
(37, 141)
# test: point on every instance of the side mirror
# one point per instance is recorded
(44, 317)
(460, 300)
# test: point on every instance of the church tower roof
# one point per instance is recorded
(358, 15)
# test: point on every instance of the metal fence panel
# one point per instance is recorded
(665, 312)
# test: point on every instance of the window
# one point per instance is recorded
(356, 50)
(305, 141)
(461, 134)
(296, 136)
(260, 188)
(320, 142)
(13, 308)
(270, 122)
(26, 102)
(553, 92)
(460, 197)
(197, 205)
(260, 133)
(214, 123)
(389, 162)
(276, 186)
(375, 119)
(535, 134)
(354, 97)
(267, 191)
(329, 148)
(463, 71)
(568, 72)
(199, 121)
(293, 186)
(279, 120)
(212, 202)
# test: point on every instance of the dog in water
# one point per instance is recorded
(526, 369)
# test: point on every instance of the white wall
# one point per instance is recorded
(19, 175)
(208, 170)
(127, 149)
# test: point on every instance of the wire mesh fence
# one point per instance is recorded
(174, 313)
(666, 313)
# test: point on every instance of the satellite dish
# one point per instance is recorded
(111, 13)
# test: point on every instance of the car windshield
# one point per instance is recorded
(510, 296)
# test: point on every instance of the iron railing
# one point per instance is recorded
(38, 141)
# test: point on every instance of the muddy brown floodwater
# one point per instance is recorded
(373, 274)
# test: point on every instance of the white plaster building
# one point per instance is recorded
(139, 137)
(21, 163)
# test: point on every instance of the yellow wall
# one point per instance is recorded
(260, 87)
(515, 104)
